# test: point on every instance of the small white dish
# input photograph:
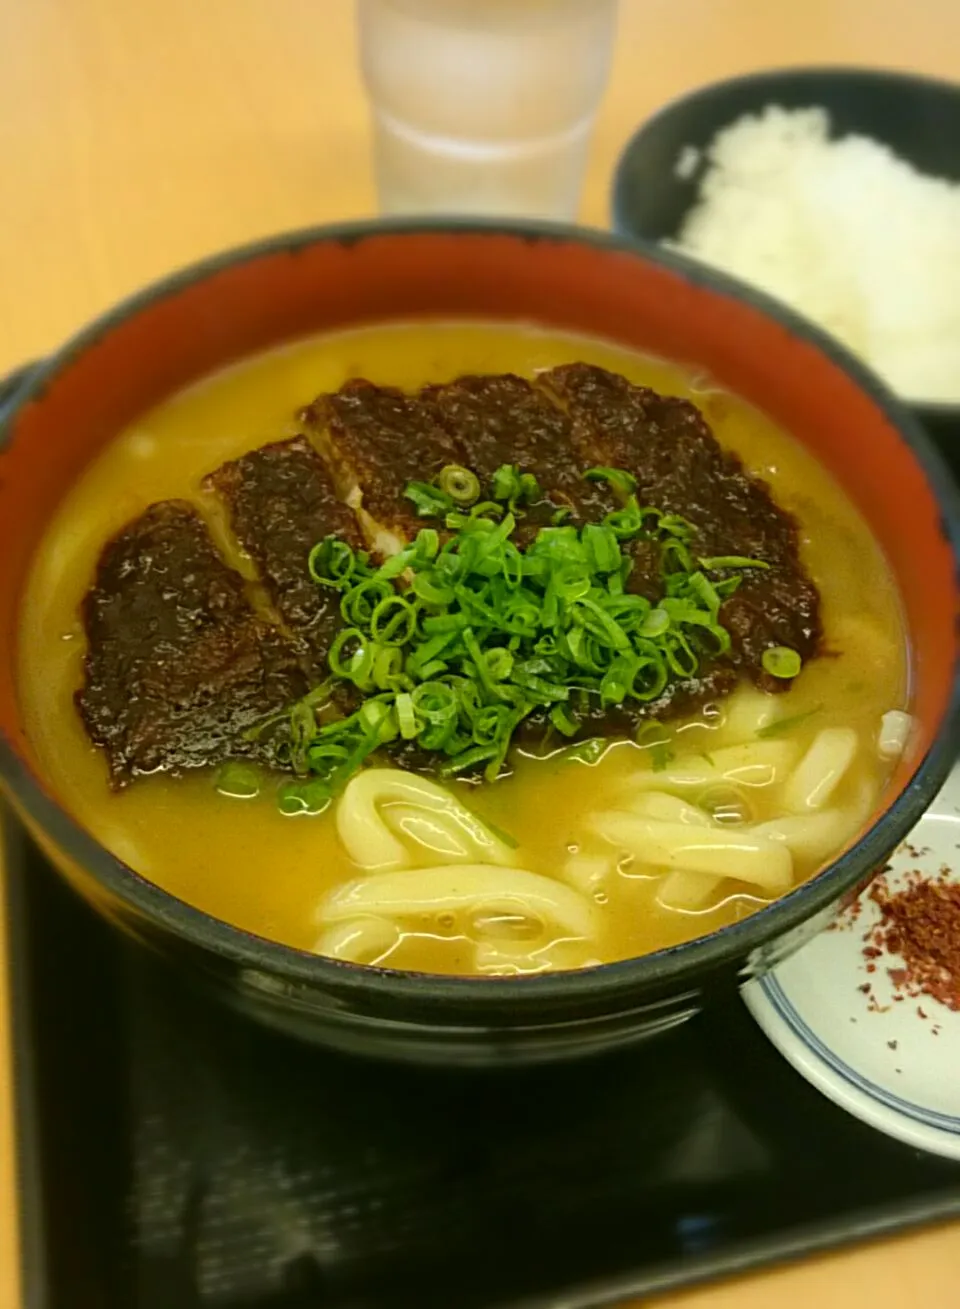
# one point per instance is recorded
(894, 1063)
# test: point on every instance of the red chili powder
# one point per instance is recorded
(921, 923)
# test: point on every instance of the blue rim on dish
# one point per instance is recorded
(786, 1011)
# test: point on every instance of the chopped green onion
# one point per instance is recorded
(655, 623)
(674, 525)
(347, 637)
(781, 726)
(588, 752)
(621, 481)
(333, 562)
(529, 488)
(425, 588)
(406, 716)
(479, 754)
(499, 663)
(506, 837)
(359, 602)
(455, 640)
(731, 561)
(429, 501)
(781, 661)
(680, 655)
(674, 557)
(394, 621)
(427, 545)
(625, 523)
(563, 720)
(603, 548)
(303, 797)
(462, 486)
(506, 482)
(238, 780)
(514, 487)
(655, 738)
(705, 591)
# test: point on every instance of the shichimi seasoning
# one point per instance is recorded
(920, 922)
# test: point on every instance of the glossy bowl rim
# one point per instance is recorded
(938, 410)
(658, 970)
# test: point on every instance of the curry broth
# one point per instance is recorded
(245, 862)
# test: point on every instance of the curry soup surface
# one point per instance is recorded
(245, 862)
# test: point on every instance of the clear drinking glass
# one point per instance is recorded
(484, 106)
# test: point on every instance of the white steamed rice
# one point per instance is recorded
(845, 232)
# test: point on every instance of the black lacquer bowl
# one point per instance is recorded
(191, 324)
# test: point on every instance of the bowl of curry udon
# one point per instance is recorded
(469, 642)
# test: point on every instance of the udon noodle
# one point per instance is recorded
(784, 809)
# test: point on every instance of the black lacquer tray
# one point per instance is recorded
(175, 1156)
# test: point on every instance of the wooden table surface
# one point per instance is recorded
(139, 136)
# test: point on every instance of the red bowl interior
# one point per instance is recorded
(196, 323)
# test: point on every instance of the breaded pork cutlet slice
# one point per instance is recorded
(281, 502)
(376, 440)
(179, 666)
(681, 468)
(498, 419)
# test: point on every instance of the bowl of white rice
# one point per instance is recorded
(835, 190)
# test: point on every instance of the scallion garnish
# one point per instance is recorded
(781, 661)
(454, 641)
(622, 482)
(514, 488)
(310, 797)
(781, 726)
(731, 561)
(239, 780)
(428, 500)
(655, 738)
(460, 484)
(588, 752)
